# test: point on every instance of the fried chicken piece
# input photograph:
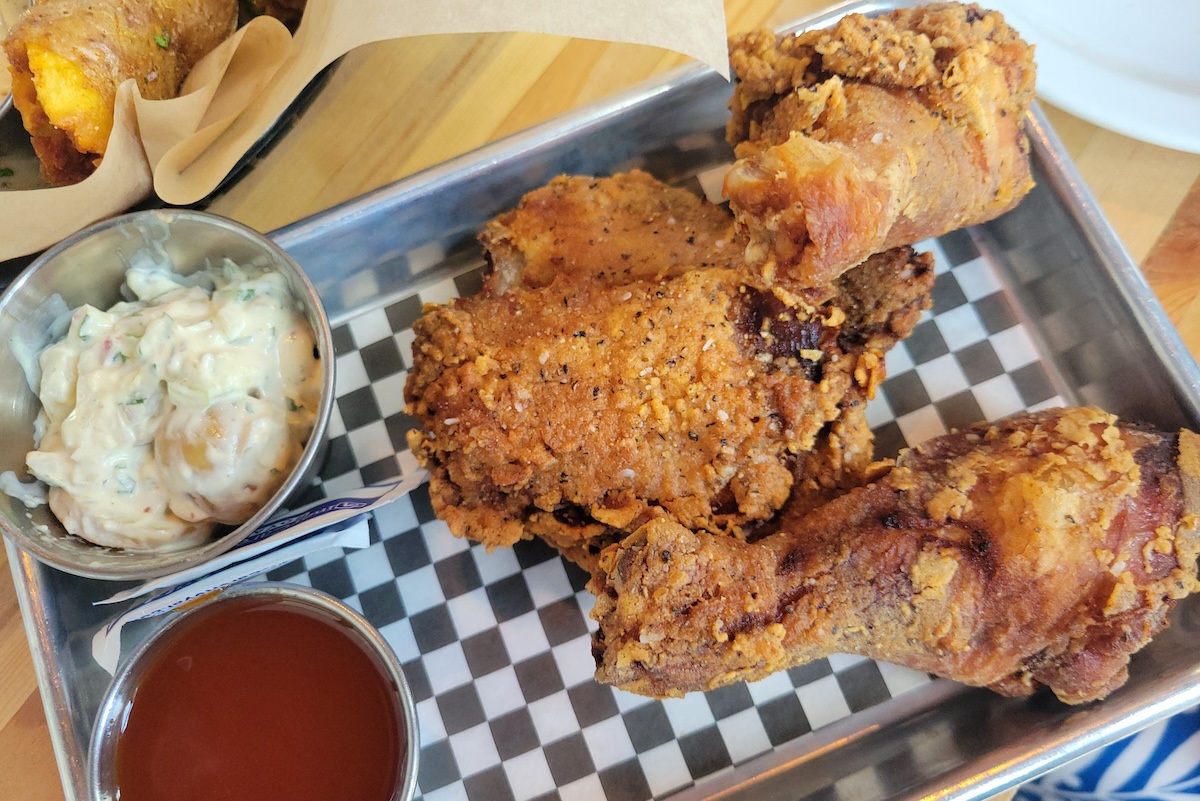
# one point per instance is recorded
(583, 409)
(837, 462)
(1040, 550)
(623, 228)
(581, 226)
(67, 58)
(875, 133)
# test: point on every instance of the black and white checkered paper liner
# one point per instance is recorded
(496, 646)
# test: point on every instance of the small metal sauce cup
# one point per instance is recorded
(101, 769)
(89, 267)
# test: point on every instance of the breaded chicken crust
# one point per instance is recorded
(580, 410)
(629, 226)
(1043, 549)
(874, 133)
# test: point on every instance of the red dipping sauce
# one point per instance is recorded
(261, 698)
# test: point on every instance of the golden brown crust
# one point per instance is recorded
(1189, 469)
(874, 133)
(1039, 550)
(602, 405)
(626, 227)
(619, 364)
(154, 42)
(839, 460)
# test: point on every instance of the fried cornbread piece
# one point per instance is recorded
(874, 133)
(68, 57)
(629, 226)
(1043, 549)
(582, 409)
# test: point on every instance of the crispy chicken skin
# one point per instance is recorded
(68, 57)
(580, 410)
(1039, 550)
(874, 133)
(629, 226)
(837, 462)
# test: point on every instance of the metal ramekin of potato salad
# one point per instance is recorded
(167, 387)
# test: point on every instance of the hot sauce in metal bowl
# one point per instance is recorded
(261, 699)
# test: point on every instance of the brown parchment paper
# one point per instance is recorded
(182, 148)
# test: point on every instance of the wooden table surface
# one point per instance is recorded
(394, 108)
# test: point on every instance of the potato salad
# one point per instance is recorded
(184, 407)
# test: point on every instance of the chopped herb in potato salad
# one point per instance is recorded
(181, 408)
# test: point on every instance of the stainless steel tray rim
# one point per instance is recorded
(1062, 735)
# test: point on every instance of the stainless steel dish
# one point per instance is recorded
(89, 267)
(114, 709)
(1062, 274)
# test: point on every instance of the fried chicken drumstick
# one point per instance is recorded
(875, 133)
(1039, 550)
(578, 407)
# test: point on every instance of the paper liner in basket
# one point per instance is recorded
(182, 148)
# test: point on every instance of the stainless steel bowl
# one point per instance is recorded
(115, 706)
(88, 268)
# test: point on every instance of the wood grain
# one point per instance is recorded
(1173, 268)
(395, 108)
(27, 767)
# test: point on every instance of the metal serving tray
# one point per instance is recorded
(1042, 306)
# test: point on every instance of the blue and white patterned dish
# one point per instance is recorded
(1160, 763)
